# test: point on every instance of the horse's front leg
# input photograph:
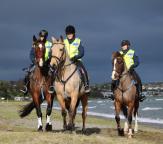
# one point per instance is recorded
(130, 112)
(117, 117)
(72, 111)
(136, 116)
(49, 99)
(84, 101)
(63, 110)
(37, 103)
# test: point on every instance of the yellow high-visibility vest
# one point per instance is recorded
(72, 49)
(128, 58)
(48, 46)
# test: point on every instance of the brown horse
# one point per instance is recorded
(126, 95)
(40, 82)
(68, 84)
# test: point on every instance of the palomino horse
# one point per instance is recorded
(126, 96)
(40, 82)
(68, 85)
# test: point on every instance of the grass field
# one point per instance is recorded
(14, 130)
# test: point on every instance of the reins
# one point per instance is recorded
(60, 64)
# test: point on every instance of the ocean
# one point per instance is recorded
(150, 111)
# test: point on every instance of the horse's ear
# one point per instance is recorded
(34, 38)
(113, 55)
(61, 38)
(54, 40)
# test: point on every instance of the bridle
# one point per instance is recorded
(41, 53)
(120, 75)
(60, 61)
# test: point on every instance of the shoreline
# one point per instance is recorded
(151, 125)
(111, 117)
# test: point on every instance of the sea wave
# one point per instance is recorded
(91, 107)
(151, 108)
(145, 120)
(99, 101)
(159, 99)
(112, 116)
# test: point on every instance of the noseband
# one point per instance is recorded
(120, 75)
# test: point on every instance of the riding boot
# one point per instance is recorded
(86, 84)
(138, 86)
(26, 79)
(113, 87)
(51, 74)
(84, 75)
(142, 97)
(26, 84)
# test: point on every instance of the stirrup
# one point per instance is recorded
(142, 97)
(51, 89)
(25, 90)
(87, 89)
(111, 97)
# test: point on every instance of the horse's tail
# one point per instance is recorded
(26, 110)
(125, 111)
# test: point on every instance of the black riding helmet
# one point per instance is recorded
(125, 42)
(43, 33)
(70, 29)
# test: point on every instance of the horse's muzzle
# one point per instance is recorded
(115, 75)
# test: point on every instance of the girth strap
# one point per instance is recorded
(65, 81)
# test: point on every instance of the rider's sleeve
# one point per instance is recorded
(80, 52)
(136, 61)
(32, 55)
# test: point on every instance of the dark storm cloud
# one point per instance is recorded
(101, 25)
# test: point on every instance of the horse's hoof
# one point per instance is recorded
(130, 134)
(83, 131)
(65, 127)
(48, 127)
(70, 127)
(120, 132)
(40, 129)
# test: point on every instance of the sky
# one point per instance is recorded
(101, 25)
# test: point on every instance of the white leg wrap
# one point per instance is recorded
(136, 124)
(125, 127)
(48, 120)
(39, 122)
(130, 132)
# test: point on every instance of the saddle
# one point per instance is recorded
(136, 77)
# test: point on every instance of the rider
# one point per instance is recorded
(131, 61)
(75, 51)
(43, 34)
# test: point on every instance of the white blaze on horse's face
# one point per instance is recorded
(41, 62)
(114, 70)
(40, 46)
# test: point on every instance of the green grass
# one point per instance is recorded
(14, 130)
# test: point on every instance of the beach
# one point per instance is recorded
(98, 130)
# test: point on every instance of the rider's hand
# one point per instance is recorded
(73, 59)
(131, 69)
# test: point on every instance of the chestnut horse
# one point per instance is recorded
(68, 84)
(40, 82)
(126, 95)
